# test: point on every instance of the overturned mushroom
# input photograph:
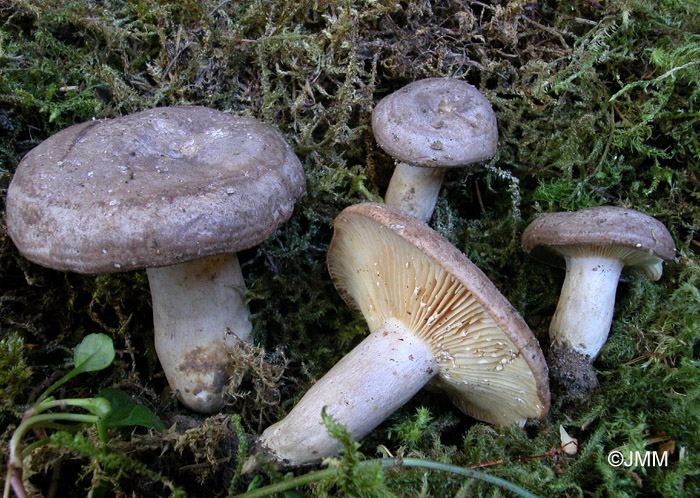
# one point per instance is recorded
(177, 191)
(595, 244)
(427, 126)
(432, 315)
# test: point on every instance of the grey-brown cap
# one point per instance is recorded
(436, 122)
(156, 188)
(636, 238)
(391, 266)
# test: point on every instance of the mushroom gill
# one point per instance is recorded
(387, 277)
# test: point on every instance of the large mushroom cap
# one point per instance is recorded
(155, 188)
(391, 266)
(635, 238)
(436, 122)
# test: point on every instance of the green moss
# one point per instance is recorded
(412, 431)
(597, 103)
(14, 373)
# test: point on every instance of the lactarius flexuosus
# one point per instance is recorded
(594, 244)
(176, 190)
(432, 315)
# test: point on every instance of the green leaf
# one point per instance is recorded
(95, 352)
(120, 402)
(143, 416)
(255, 483)
(125, 412)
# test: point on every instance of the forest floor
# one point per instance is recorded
(597, 104)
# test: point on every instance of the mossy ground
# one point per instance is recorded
(597, 103)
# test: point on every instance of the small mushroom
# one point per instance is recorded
(432, 315)
(177, 191)
(427, 126)
(595, 244)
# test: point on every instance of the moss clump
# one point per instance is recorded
(597, 103)
(14, 373)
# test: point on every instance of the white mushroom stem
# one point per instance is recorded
(414, 189)
(195, 304)
(585, 309)
(377, 377)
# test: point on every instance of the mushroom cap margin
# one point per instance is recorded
(601, 226)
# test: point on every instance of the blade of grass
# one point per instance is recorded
(388, 463)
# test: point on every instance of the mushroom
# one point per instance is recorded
(595, 244)
(427, 126)
(432, 314)
(175, 190)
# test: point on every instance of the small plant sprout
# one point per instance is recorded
(433, 316)
(595, 244)
(110, 408)
(427, 126)
(177, 191)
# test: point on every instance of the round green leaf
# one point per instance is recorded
(95, 352)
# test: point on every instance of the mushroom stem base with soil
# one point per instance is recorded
(415, 189)
(581, 323)
(377, 377)
(197, 307)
